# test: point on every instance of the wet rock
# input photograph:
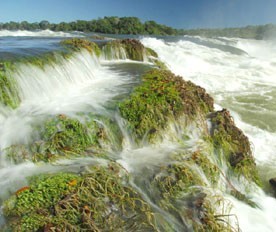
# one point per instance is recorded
(272, 182)
(127, 49)
(162, 97)
(233, 143)
(77, 44)
(236, 158)
(196, 201)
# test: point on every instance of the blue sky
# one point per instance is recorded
(174, 13)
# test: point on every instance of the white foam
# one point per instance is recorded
(39, 33)
(79, 84)
(213, 69)
(228, 76)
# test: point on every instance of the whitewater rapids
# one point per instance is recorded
(240, 74)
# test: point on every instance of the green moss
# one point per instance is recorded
(210, 221)
(184, 173)
(77, 44)
(62, 136)
(210, 169)
(151, 52)
(243, 197)
(43, 191)
(233, 144)
(159, 64)
(49, 58)
(178, 178)
(8, 87)
(180, 192)
(127, 48)
(135, 49)
(160, 97)
(100, 200)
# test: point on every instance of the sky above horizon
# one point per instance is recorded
(175, 13)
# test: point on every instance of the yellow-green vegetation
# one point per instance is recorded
(49, 58)
(233, 144)
(62, 137)
(97, 37)
(77, 44)
(185, 171)
(162, 96)
(180, 191)
(159, 64)
(151, 52)
(8, 88)
(101, 200)
(127, 48)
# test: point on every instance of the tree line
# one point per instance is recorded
(249, 32)
(133, 25)
(108, 25)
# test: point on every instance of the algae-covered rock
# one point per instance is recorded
(100, 200)
(8, 87)
(78, 44)
(181, 190)
(234, 144)
(62, 136)
(44, 59)
(127, 49)
(97, 37)
(162, 96)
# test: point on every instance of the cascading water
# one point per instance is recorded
(78, 84)
(83, 83)
(245, 84)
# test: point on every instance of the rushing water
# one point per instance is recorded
(240, 74)
(245, 83)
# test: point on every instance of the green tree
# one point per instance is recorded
(44, 24)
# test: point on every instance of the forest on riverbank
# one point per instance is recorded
(133, 25)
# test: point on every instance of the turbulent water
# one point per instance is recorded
(239, 74)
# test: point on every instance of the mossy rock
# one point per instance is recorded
(228, 138)
(162, 97)
(101, 200)
(77, 44)
(184, 172)
(159, 64)
(180, 191)
(8, 87)
(65, 137)
(151, 52)
(48, 58)
(97, 37)
(134, 49)
(9, 92)
(127, 49)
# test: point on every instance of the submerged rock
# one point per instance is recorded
(180, 190)
(103, 199)
(100, 200)
(272, 182)
(127, 49)
(160, 98)
(234, 144)
(62, 136)
(77, 44)
(8, 87)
